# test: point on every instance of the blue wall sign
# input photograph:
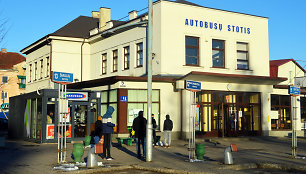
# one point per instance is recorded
(62, 77)
(77, 96)
(294, 90)
(192, 85)
(123, 98)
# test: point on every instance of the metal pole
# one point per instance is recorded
(58, 124)
(149, 90)
(62, 125)
(65, 130)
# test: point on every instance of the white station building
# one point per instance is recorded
(227, 52)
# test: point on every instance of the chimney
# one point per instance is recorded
(105, 16)
(132, 14)
(95, 14)
(3, 50)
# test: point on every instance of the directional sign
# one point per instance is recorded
(192, 85)
(62, 77)
(294, 90)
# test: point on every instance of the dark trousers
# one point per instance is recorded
(154, 137)
(107, 145)
(140, 141)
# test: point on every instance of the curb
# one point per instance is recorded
(283, 167)
(170, 171)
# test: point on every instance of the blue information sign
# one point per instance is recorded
(62, 77)
(123, 98)
(294, 90)
(192, 85)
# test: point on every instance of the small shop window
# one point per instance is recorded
(281, 104)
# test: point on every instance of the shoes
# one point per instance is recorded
(109, 158)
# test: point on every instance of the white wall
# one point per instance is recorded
(174, 30)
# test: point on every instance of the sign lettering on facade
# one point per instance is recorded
(217, 26)
(62, 77)
(77, 96)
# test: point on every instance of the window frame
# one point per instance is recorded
(35, 71)
(126, 55)
(41, 68)
(48, 66)
(7, 79)
(218, 49)
(137, 55)
(115, 60)
(279, 105)
(5, 94)
(193, 47)
(104, 63)
(247, 55)
(30, 79)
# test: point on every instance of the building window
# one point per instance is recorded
(48, 67)
(126, 57)
(140, 54)
(303, 109)
(192, 50)
(22, 83)
(30, 74)
(115, 60)
(35, 71)
(4, 79)
(218, 56)
(281, 104)
(104, 63)
(242, 56)
(41, 68)
(4, 95)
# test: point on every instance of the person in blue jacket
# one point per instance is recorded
(107, 131)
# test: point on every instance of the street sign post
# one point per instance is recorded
(295, 91)
(62, 77)
(192, 85)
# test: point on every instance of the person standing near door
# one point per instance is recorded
(139, 126)
(154, 131)
(107, 131)
(168, 126)
(231, 122)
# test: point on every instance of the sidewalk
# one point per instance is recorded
(267, 152)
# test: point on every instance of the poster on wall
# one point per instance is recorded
(197, 119)
(50, 131)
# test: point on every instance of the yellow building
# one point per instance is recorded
(12, 73)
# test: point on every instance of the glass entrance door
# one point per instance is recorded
(80, 115)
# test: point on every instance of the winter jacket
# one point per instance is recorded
(98, 128)
(107, 121)
(139, 126)
(168, 124)
(154, 123)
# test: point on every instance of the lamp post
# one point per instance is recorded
(149, 85)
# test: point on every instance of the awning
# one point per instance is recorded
(232, 78)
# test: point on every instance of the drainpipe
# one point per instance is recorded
(49, 42)
(82, 59)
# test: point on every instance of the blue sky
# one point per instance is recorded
(30, 20)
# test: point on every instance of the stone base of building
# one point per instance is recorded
(299, 133)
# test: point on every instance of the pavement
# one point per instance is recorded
(254, 155)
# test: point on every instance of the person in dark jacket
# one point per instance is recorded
(139, 126)
(98, 130)
(168, 126)
(107, 132)
(154, 131)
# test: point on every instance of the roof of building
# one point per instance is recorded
(274, 64)
(9, 59)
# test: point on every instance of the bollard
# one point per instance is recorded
(92, 158)
(228, 158)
